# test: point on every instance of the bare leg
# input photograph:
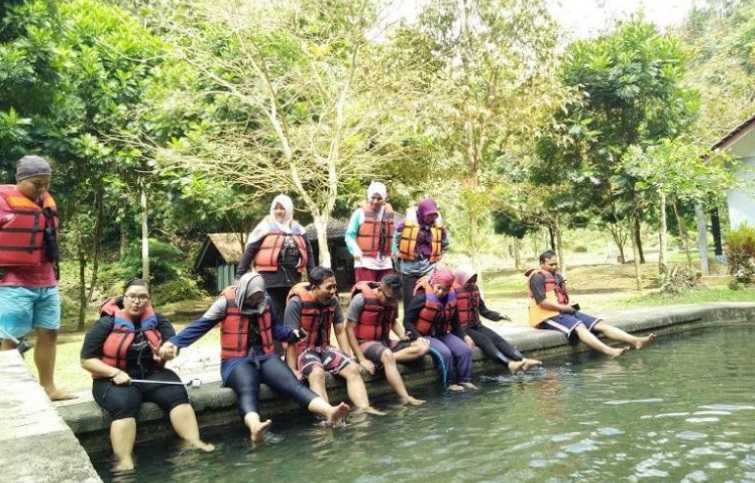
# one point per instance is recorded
(257, 428)
(335, 414)
(44, 358)
(316, 380)
(7, 345)
(122, 437)
(615, 333)
(396, 381)
(184, 422)
(414, 351)
(594, 343)
(357, 390)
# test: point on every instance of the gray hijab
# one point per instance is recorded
(249, 284)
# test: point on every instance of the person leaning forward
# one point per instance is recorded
(248, 326)
(314, 308)
(372, 314)
(124, 345)
(550, 308)
(29, 298)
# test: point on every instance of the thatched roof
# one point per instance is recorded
(336, 229)
(225, 247)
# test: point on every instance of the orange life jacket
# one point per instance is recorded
(120, 339)
(376, 318)
(554, 292)
(407, 245)
(435, 317)
(374, 235)
(315, 318)
(468, 305)
(266, 259)
(234, 329)
(22, 226)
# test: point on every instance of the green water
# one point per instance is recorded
(681, 410)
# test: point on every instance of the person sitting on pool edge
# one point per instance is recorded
(123, 345)
(372, 314)
(248, 326)
(549, 308)
(471, 308)
(313, 306)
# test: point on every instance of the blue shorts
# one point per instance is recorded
(24, 309)
(566, 323)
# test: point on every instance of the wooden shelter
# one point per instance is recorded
(218, 258)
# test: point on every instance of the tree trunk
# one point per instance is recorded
(145, 233)
(321, 225)
(715, 228)
(682, 234)
(638, 239)
(97, 242)
(635, 253)
(517, 253)
(662, 233)
(552, 237)
(123, 248)
(702, 239)
(619, 239)
(559, 246)
(82, 286)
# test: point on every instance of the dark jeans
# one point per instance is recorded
(246, 378)
(124, 400)
(493, 345)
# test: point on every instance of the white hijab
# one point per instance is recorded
(269, 223)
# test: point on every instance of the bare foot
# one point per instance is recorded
(530, 363)
(56, 394)
(617, 351)
(370, 410)
(258, 430)
(339, 412)
(644, 341)
(516, 366)
(201, 445)
(124, 465)
(411, 401)
(455, 388)
(469, 385)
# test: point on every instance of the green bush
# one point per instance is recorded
(181, 288)
(580, 249)
(740, 253)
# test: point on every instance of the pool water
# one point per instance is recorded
(681, 410)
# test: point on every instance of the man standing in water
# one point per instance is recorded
(29, 297)
(549, 308)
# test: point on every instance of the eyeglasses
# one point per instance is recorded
(140, 298)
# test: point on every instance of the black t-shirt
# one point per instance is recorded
(139, 360)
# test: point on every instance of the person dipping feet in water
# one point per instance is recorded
(471, 306)
(433, 314)
(248, 327)
(549, 308)
(373, 312)
(124, 344)
(314, 308)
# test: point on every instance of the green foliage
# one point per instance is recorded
(740, 253)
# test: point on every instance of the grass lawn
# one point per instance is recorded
(598, 288)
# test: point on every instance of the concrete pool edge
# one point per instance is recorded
(215, 405)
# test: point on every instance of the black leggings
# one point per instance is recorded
(246, 378)
(493, 345)
(407, 289)
(124, 400)
(278, 300)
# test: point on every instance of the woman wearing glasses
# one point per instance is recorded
(123, 345)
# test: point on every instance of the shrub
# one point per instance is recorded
(580, 249)
(678, 279)
(740, 253)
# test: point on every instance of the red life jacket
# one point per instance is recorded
(468, 305)
(234, 329)
(118, 342)
(266, 259)
(316, 319)
(372, 231)
(550, 286)
(376, 318)
(436, 315)
(22, 225)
